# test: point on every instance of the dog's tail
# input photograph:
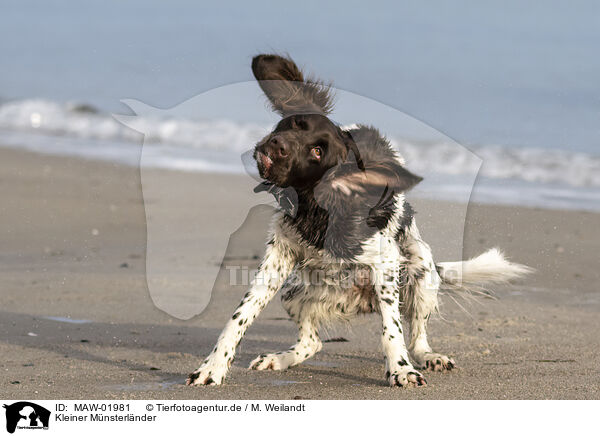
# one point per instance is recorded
(489, 267)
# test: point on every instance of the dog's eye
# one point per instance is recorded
(316, 152)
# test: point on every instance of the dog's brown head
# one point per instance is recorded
(306, 145)
(300, 150)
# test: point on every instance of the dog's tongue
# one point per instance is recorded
(266, 161)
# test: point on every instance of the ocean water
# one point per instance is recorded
(507, 95)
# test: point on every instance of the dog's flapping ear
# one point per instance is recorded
(288, 90)
(359, 201)
(348, 183)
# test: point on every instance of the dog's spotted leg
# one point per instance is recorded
(423, 355)
(294, 302)
(399, 370)
(308, 344)
(421, 299)
(277, 264)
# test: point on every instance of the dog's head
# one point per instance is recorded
(300, 150)
(305, 143)
(306, 147)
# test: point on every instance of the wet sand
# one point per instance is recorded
(73, 238)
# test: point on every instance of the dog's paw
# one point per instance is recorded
(268, 362)
(405, 377)
(207, 374)
(438, 362)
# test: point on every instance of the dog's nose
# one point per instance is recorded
(279, 147)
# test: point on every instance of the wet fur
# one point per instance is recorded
(348, 246)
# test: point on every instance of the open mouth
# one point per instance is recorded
(264, 164)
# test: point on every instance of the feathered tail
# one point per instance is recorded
(489, 267)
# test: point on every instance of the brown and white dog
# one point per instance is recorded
(345, 241)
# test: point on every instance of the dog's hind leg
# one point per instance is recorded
(399, 369)
(422, 354)
(308, 344)
(420, 300)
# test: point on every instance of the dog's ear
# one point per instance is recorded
(288, 90)
(348, 183)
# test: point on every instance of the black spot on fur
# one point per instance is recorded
(290, 289)
(419, 274)
(439, 270)
(408, 214)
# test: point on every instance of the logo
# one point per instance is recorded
(26, 415)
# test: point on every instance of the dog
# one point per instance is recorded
(344, 241)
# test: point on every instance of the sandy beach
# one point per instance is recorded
(73, 238)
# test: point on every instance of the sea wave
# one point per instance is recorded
(75, 120)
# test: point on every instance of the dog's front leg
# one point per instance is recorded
(399, 370)
(274, 269)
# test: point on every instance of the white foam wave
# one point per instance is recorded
(528, 164)
(82, 121)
